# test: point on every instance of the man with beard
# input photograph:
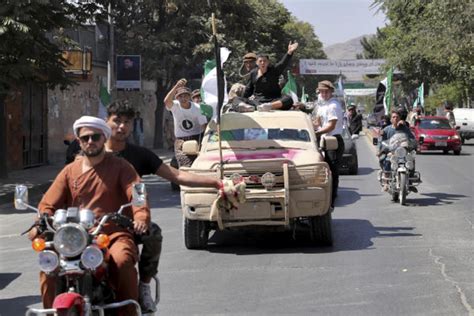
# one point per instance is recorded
(87, 183)
(119, 119)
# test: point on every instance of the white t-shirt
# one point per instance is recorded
(187, 122)
(331, 110)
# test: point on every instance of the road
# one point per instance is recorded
(387, 259)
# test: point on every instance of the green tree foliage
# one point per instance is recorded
(431, 41)
(26, 52)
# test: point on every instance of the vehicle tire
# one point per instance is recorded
(445, 151)
(457, 152)
(403, 189)
(196, 233)
(354, 168)
(321, 230)
(174, 164)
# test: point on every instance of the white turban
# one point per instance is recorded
(92, 122)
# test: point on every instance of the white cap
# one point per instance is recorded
(92, 122)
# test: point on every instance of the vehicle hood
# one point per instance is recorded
(206, 160)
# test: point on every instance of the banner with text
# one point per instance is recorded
(344, 66)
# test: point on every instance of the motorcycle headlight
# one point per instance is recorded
(70, 240)
(410, 165)
(400, 152)
(48, 261)
(92, 257)
(393, 158)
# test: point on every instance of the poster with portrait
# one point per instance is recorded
(128, 72)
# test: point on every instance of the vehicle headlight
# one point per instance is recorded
(92, 257)
(410, 165)
(393, 158)
(70, 240)
(394, 166)
(454, 137)
(48, 261)
(400, 152)
(268, 180)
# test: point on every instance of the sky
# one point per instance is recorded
(337, 21)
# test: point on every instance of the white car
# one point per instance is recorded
(464, 122)
(287, 180)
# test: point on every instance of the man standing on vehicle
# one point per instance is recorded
(329, 121)
(119, 119)
(87, 183)
(189, 123)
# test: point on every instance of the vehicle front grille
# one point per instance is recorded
(437, 137)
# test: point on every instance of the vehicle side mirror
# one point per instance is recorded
(421, 140)
(21, 197)
(328, 143)
(190, 147)
(139, 194)
(375, 141)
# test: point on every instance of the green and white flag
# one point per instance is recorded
(104, 101)
(387, 100)
(420, 99)
(304, 96)
(290, 88)
(209, 86)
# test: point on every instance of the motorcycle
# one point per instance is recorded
(71, 249)
(397, 161)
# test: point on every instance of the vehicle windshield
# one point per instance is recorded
(242, 134)
(435, 124)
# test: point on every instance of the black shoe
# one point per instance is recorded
(414, 189)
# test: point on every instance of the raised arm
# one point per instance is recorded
(170, 96)
(283, 63)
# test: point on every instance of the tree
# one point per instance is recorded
(173, 37)
(431, 41)
(28, 54)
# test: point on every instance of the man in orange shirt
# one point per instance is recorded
(102, 183)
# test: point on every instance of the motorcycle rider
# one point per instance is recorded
(119, 118)
(397, 126)
(87, 183)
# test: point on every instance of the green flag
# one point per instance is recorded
(290, 87)
(304, 96)
(387, 100)
(207, 110)
(104, 100)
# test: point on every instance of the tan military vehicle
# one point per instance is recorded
(287, 180)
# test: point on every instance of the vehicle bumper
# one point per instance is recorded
(441, 145)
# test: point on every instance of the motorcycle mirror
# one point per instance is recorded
(375, 141)
(139, 194)
(21, 197)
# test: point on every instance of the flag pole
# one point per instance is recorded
(220, 96)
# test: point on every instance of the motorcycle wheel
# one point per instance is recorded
(403, 189)
(73, 311)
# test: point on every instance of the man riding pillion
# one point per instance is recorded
(102, 183)
(119, 118)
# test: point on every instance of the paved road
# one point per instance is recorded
(387, 259)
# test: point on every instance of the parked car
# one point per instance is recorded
(287, 181)
(465, 121)
(435, 133)
(350, 162)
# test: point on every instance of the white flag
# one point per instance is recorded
(209, 85)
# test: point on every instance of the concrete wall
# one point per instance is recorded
(66, 106)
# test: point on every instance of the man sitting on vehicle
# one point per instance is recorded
(263, 84)
(354, 120)
(87, 183)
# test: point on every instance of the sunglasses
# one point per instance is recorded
(94, 137)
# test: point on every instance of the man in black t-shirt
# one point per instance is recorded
(120, 119)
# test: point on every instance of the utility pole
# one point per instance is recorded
(111, 60)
